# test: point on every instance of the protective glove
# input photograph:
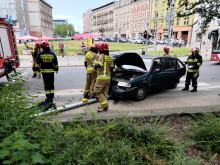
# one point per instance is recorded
(190, 67)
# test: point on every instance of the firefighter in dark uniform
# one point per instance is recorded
(194, 62)
(48, 64)
(35, 51)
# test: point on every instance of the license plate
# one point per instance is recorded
(122, 84)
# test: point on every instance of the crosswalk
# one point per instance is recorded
(201, 85)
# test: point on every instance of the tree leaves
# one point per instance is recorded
(208, 10)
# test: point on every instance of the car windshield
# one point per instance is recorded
(148, 63)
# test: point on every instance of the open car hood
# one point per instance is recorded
(129, 59)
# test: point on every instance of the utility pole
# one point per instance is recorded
(170, 22)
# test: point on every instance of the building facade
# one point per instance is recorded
(86, 21)
(201, 40)
(102, 19)
(122, 18)
(40, 17)
(182, 27)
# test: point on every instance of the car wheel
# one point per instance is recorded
(141, 93)
(173, 86)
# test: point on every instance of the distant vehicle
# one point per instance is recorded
(123, 40)
(135, 77)
(9, 59)
(215, 37)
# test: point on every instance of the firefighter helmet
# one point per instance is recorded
(103, 46)
(37, 44)
(195, 49)
(166, 48)
(95, 46)
(44, 44)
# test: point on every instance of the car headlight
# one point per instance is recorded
(124, 84)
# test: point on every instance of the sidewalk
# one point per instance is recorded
(78, 60)
(66, 61)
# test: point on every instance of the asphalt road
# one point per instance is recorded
(69, 83)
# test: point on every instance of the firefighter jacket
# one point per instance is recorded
(104, 66)
(194, 62)
(47, 62)
(89, 61)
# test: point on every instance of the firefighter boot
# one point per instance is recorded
(186, 88)
(34, 75)
(194, 89)
(102, 109)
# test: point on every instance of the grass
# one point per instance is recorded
(74, 47)
(176, 52)
(25, 140)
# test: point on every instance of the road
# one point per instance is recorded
(69, 83)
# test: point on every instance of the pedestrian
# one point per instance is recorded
(35, 52)
(194, 62)
(91, 75)
(61, 48)
(48, 64)
(167, 51)
(103, 67)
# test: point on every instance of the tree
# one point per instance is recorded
(64, 30)
(208, 10)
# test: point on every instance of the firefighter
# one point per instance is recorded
(194, 62)
(167, 51)
(48, 64)
(90, 58)
(35, 51)
(103, 67)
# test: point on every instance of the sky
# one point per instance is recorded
(73, 10)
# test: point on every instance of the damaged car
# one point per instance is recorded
(135, 76)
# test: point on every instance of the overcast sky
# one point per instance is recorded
(73, 10)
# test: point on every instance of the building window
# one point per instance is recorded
(177, 21)
(186, 20)
(198, 37)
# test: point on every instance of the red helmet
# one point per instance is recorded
(195, 49)
(37, 44)
(103, 46)
(95, 46)
(44, 44)
(166, 48)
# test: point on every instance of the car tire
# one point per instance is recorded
(173, 86)
(141, 93)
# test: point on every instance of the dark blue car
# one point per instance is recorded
(135, 76)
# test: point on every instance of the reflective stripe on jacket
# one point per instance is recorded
(89, 59)
(104, 72)
(195, 61)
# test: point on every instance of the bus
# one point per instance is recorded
(9, 59)
(215, 37)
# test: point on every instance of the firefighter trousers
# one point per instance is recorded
(192, 76)
(48, 79)
(101, 92)
(90, 82)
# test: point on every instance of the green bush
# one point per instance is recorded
(26, 140)
(206, 133)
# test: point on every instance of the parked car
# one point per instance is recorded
(136, 77)
(123, 40)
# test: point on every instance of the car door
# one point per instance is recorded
(157, 76)
(170, 71)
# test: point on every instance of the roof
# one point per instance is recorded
(46, 3)
(108, 4)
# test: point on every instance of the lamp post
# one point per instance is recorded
(170, 22)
